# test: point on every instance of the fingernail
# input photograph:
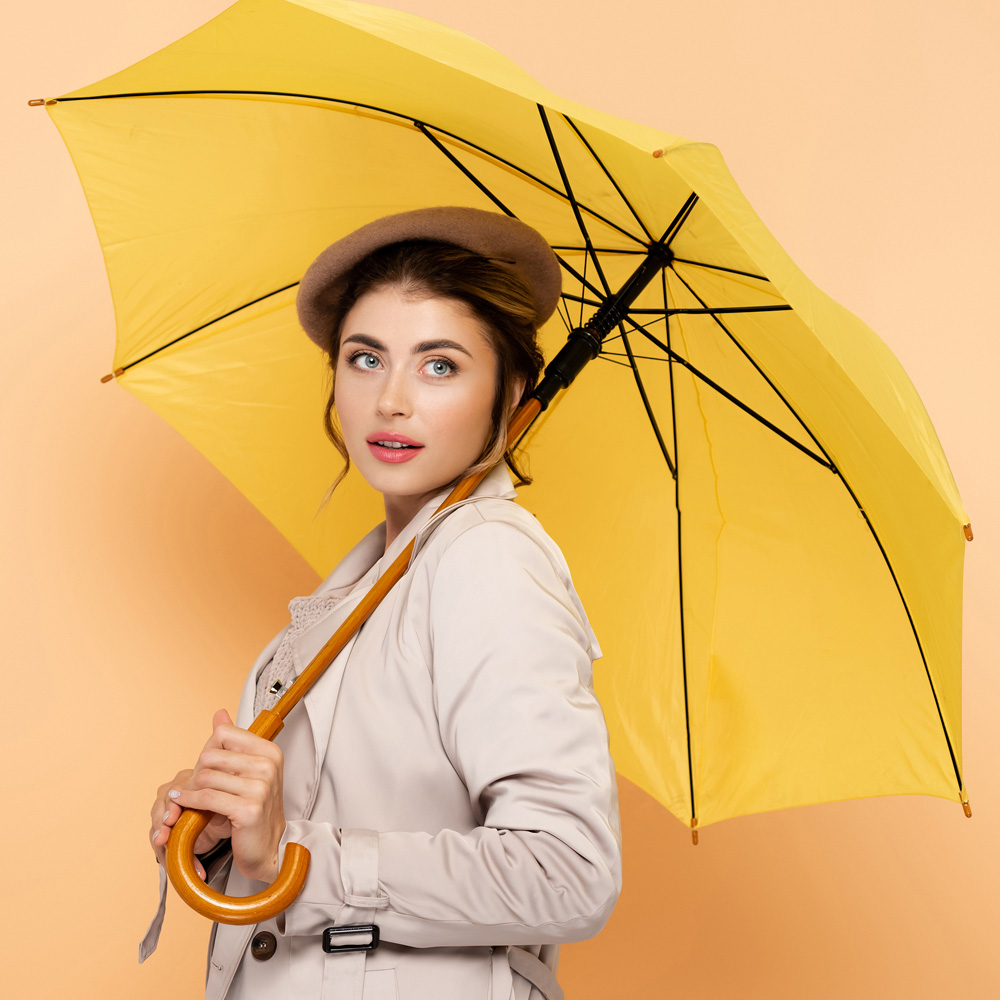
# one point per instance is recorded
(174, 794)
(165, 815)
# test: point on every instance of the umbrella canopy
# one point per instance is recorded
(757, 510)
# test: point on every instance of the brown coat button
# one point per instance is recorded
(263, 946)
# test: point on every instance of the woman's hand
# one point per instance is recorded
(166, 812)
(238, 776)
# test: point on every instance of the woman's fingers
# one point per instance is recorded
(238, 779)
(247, 764)
(164, 813)
(226, 736)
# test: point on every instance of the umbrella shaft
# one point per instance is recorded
(584, 343)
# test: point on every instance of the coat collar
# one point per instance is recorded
(369, 558)
(353, 577)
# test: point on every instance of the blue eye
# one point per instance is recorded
(439, 367)
(363, 359)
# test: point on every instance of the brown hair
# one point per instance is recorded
(495, 294)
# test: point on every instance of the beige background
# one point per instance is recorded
(865, 133)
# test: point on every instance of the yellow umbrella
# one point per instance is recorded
(759, 515)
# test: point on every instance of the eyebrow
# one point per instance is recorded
(421, 348)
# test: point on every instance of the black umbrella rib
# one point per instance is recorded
(198, 329)
(913, 628)
(675, 226)
(465, 170)
(582, 278)
(613, 360)
(718, 310)
(582, 300)
(645, 402)
(706, 311)
(352, 104)
(680, 565)
(674, 356)
(725, 329)
(639, 357)
(581, 225)
(608, 250)
(607, 173)
(719, 267)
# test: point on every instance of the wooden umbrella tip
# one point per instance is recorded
(657, 153)
(967, 528)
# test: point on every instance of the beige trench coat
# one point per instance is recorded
(450, 776)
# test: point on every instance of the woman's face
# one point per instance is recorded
(416, 380)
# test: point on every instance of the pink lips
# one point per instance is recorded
(393, 455)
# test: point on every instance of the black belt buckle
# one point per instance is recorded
(331, 933)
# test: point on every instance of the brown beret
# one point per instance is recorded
(489, 234)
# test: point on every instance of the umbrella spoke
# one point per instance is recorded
(675, 226)
(205, 325)
(645, 402)
(581, 225)
(719, 267)
(578, 298)
(757, 367)
(674, 356)
(638, 357)
(680, 563)
(566, 266)
(607, 250)
(607, 173)
(604, 357)
(562, 311)
(465, 170)
(913, 629)
(719, 310)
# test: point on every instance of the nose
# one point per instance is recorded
(394, 395)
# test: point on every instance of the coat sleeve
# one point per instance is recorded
(520, 723)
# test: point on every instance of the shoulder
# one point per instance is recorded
(493, 559)
(496, 531)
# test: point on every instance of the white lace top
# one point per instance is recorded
(279, 673)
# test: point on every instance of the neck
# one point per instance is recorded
(399, 511)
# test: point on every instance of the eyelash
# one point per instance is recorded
(353, 358)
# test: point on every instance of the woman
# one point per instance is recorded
(450, 774)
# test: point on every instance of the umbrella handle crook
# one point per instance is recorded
(229, 909)
(233, 909)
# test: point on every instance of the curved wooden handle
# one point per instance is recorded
(229, 909)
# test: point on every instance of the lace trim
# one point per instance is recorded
(280, 670)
